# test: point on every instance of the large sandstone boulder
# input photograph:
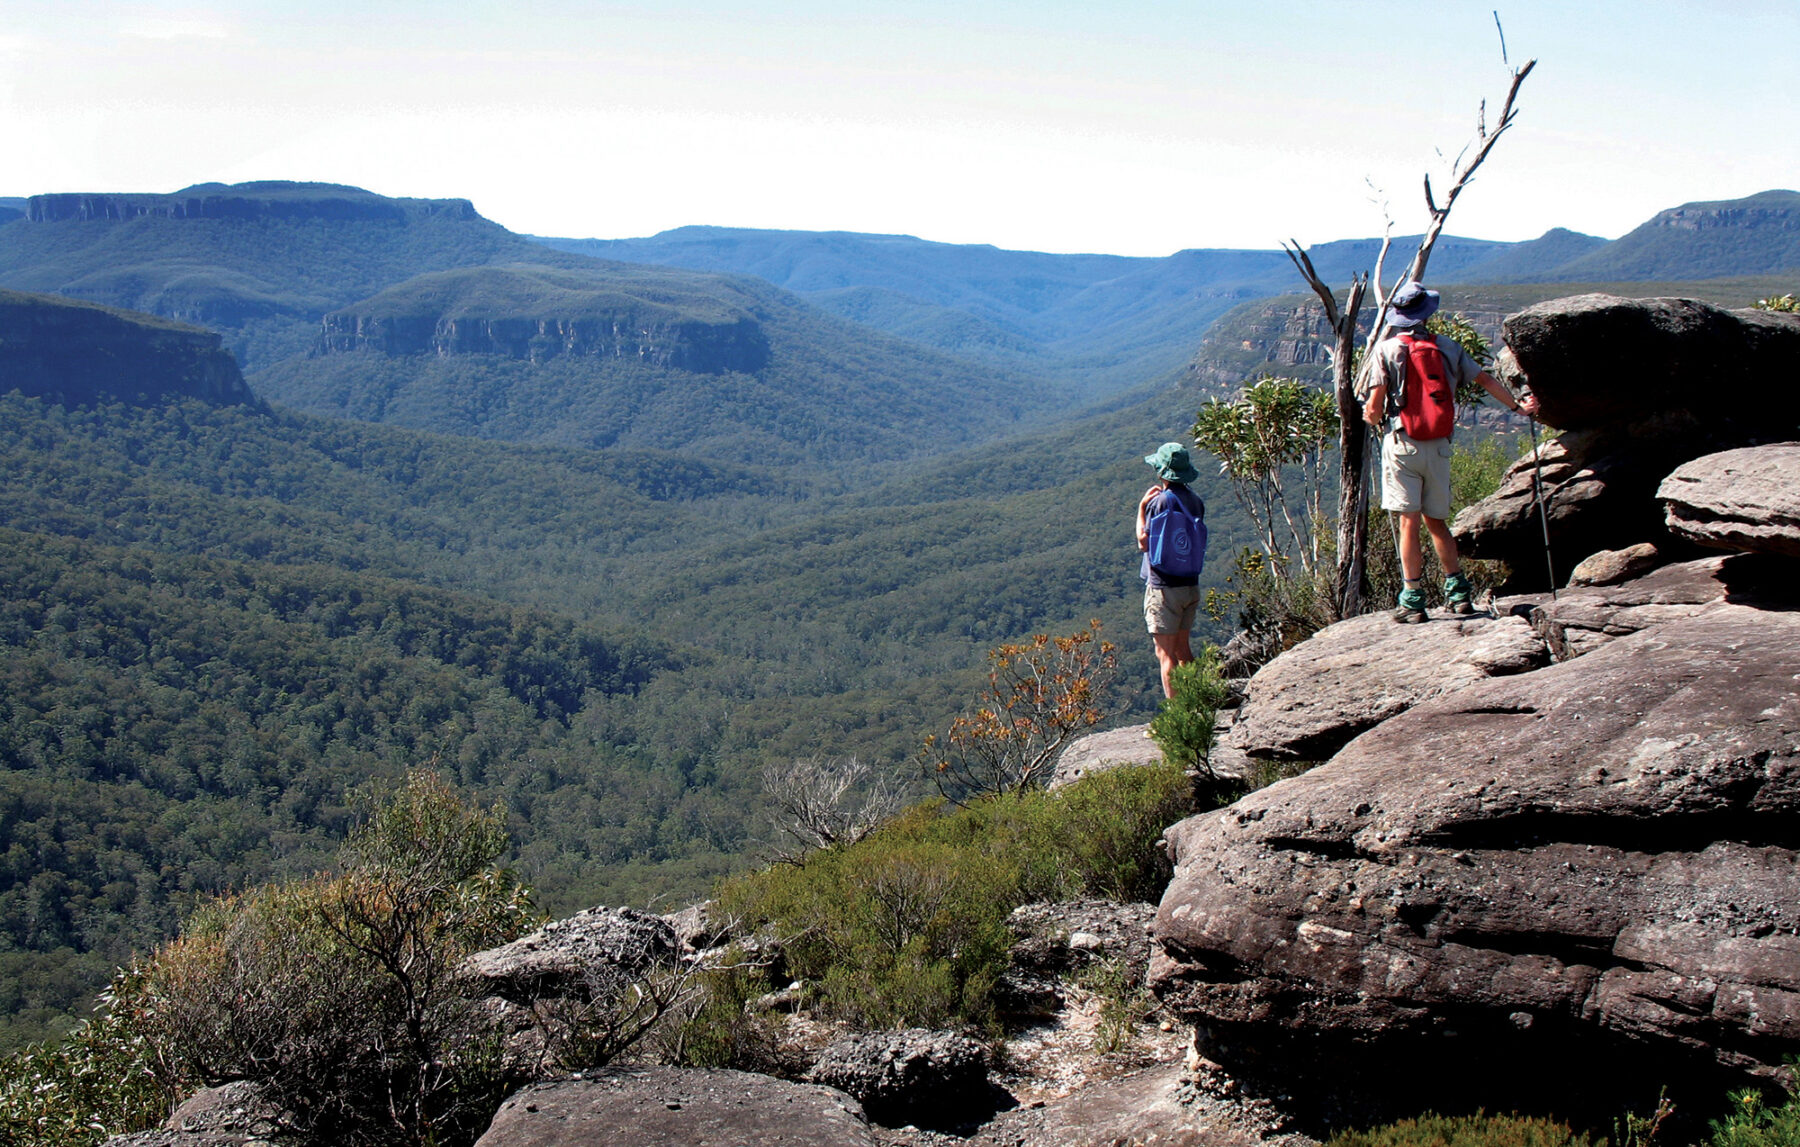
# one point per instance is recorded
(1486, 897)
(1594, 360)
(1639, 387)
(677, 1107)
(1745, 499)
(591, 953)
(929, 1078)
(1314, 699)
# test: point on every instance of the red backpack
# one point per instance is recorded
(1430, 408)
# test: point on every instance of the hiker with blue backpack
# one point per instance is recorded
(1171, 530)
(1411, 403)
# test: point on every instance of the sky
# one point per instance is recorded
(1132, 127)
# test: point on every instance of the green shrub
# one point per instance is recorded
(1183, 727)
(1124, 1003)
(722, 1030)
(908, 926)
(1751, 1122)
(100, 1081)
(1478, 1130)
(1787, 302)
(334, 993)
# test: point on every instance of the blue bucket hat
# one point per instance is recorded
(1411, 306)
(1172, 463)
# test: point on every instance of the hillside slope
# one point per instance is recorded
(616, 355)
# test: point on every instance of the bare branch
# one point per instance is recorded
(1502, 32)
(818, 800)
(1304, 264)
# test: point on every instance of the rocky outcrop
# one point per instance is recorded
(917, 1076)
(1738, 500)
(51, 347)
(1099, 752)
(584, 955)
(677, 1107)
(234, 1115)
(269, 199)
(1595, 861)
(1314, 699)
(1583, 618)
(1639, 386)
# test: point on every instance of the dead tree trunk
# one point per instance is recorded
(1353, 439)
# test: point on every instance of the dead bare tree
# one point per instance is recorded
(1346, 589)
(821, 802)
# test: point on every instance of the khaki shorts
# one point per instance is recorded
(1415, 476)
(1172, 609)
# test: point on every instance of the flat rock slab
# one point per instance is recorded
(1318, 696)
(1098, 752)
(677, 1107)
(1593, 862)
(1746, 499)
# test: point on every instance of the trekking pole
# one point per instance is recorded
(1537, 495)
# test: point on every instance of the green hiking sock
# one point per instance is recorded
(1457, 588)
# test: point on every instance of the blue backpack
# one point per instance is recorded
(1177, 541)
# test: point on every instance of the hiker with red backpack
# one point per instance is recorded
(1411, 402)
(1171, 530)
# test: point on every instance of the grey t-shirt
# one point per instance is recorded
(1390, 367)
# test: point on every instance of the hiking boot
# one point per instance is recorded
(1458, 594)
(1411, 606)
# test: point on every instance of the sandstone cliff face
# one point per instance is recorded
(692, 345)
(1738, 215)
(1286, 336)
(76, 353)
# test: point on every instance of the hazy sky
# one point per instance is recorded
(1131, 127)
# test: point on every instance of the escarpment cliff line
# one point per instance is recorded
(537, 313)
(79, 352)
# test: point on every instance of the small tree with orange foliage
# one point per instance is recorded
(1040, 693)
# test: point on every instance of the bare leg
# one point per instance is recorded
(1444, 544)
(1412, 557)
(1172, 649)
(1412, 552)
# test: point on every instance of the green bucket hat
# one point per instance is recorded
(1172, 464)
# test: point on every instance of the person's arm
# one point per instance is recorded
(1376, 406)
(1143, 516)
(1527, 405)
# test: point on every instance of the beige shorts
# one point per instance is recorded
(1172, 609)
(1415, 476)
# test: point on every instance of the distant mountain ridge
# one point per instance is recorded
(269, 199)
(1135, 311)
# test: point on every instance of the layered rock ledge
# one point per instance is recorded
(1487, 892)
